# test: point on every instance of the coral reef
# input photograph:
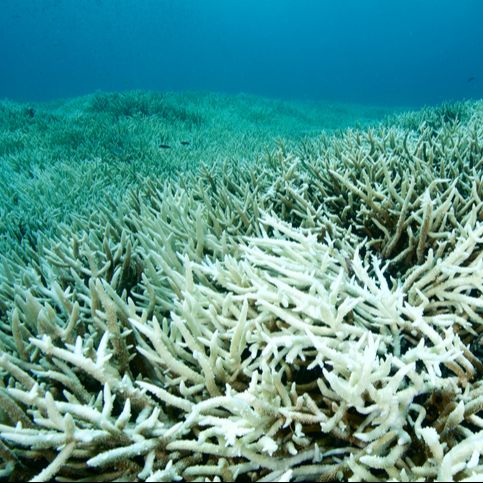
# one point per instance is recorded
(66, 158)
(315, 316)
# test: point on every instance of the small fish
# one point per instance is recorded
(470, 79)
(185, 143)
(165, 146)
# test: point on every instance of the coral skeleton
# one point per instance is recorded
(316, 316)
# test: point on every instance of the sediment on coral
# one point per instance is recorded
(316, 316)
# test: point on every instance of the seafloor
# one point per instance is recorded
(211, 288)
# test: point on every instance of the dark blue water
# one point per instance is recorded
(406, 52)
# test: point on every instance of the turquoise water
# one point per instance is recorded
(373, 51)
(229, 249)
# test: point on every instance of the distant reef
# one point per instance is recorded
(218, 288)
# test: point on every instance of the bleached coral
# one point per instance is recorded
(320, 318)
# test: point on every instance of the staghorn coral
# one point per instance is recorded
(314, 317)
(67, 158)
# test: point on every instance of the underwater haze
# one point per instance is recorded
(241, 241)
(410, 53)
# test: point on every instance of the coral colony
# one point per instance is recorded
(317, 315)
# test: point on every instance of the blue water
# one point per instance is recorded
(406, 52)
